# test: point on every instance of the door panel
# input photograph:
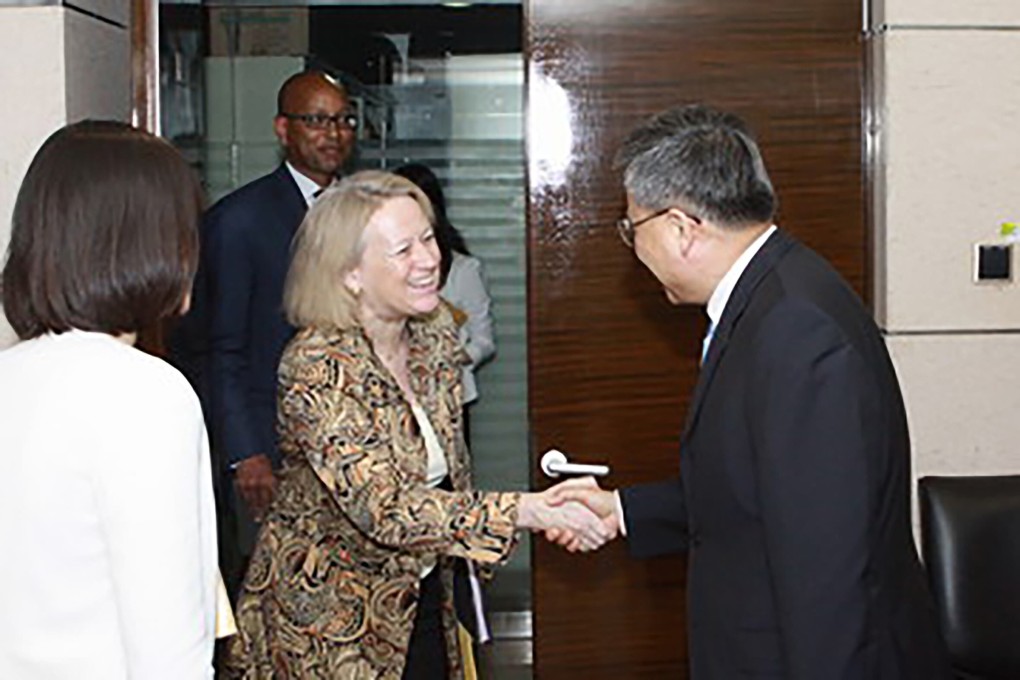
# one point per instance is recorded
(611, 362)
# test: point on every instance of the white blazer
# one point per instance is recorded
(465, 289)
(107, 523)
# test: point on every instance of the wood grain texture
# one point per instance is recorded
(145, 65)
(145, 114)
(612, 364)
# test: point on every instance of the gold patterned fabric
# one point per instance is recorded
(332, 587)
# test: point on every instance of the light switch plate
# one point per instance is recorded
(993, 263)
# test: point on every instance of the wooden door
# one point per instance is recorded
(611, 363)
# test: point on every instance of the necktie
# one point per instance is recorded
(317, 193)
(707, 342)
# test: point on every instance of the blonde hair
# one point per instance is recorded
(329, 244)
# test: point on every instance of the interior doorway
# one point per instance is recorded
(433, 83)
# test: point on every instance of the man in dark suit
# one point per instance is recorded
(793, 500)
(231, 342)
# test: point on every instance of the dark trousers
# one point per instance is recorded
(426, 654)
(237, 533)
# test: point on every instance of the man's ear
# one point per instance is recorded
(687, 230)
(280, 128)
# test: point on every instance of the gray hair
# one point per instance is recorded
(329, 244)
(702, 161)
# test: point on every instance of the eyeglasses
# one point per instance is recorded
(625, 227)
(322, 121)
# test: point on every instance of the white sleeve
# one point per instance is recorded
(619, 513)
(154, 493)
(472, 297)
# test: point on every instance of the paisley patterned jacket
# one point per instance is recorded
(332, 587)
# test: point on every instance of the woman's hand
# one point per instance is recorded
(585, 529)
(584, 490)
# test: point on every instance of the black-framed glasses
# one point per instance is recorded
(322, 121)
(625, 227)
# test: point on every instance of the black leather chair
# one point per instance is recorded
(970, 533)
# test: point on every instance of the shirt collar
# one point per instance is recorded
(307, 185)
(722, 292)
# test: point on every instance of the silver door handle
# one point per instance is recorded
(554, 463)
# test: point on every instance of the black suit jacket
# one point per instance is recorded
(793, 500)
(231, 341)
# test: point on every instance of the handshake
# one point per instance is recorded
(575, 514)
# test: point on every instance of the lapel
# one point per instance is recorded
(291, 198)
(434, 380)
(761, 264)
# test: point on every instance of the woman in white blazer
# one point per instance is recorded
(465, 289)
(107, 524)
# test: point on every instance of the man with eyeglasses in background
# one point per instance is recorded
(231, 342)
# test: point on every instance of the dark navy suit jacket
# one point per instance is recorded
(793, 501)
(231, 341)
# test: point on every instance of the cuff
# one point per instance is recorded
(619, 513)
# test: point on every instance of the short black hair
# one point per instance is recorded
(104, 235)
(702, 160)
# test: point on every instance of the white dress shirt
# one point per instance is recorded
(107, 524)
(465, 289)
(308, 186)
(724, 289)
(436, 469)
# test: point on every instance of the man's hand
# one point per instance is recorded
(580, 528)
(584, 490)
(256, 483)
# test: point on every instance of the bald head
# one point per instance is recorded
(300, 87)
(313, 125)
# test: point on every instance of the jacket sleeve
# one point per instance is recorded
(817, 408)
(229, 280)
(344, 437)
(158, 522)
(472, 297)
(655, 517)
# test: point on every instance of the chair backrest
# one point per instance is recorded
(970, 533)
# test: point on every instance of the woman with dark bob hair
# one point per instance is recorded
(106, 518)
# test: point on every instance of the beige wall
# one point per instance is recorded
(59, 66)
(33, 36)
(950, 168)
(960, 423)
(951, 13)
(947, 139)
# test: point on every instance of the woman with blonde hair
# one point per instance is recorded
(351, 576)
